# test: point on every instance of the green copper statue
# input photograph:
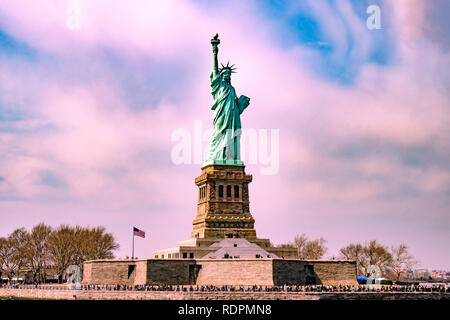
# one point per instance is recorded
(225, 143)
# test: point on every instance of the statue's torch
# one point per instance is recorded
(215, 41)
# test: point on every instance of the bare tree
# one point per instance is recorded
(379, 255)
(356, 252)
(83, 245)
(369, 253)
(315, 249)
(37, 251)
(18, 240)
(75, 245)
(103, 244)
(309, 249)
(94, 243)
(6, 258)
(61, 249)
(401, 261)
(13, 252)
(300, 242)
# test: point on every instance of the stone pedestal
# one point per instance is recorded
(223, 209)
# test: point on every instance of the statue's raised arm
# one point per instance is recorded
(215, 43)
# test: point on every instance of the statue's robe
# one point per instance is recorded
(225, 143)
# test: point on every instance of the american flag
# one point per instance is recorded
(139, 233)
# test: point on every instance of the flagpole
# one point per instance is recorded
(132, 253)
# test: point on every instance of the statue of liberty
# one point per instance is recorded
(225, 143)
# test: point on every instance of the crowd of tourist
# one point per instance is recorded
(413, 288)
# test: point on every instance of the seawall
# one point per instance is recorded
(177, 295)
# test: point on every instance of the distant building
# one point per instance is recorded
(440, 274)
(422, 274)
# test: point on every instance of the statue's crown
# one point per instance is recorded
(231, 68)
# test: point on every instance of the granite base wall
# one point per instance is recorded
(218, 272)
(170, 272)
(289, 272)
(235, 272)
(109, 272)
(328, 272)
(140, 272)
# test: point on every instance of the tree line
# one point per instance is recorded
(393, 261)
(45, 248)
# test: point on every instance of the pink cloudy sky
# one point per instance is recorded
(86, 117)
